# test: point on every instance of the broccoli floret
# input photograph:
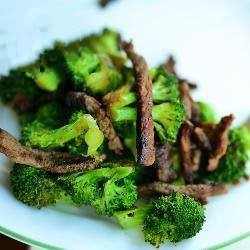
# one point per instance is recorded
(52, 114)
(38, 135)
(170, 116)
(232, 166)
(92, 72)
(207, 112)
(105, 189)
(36, 187)
(168, 110)
(17, 83)
(165, 87)
(107, 42)
(169, 218)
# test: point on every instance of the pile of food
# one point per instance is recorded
(99, 128)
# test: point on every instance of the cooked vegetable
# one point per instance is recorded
(90, 124)
(168, 218)
(168, 113)
(106, 189)
(36, 187)
(232, 166)
(81, 132)
(207, 112)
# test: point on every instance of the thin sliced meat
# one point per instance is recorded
(196, 159)
(21, 103)
(219, 142)
(54, 162)
(169, 65)
(145, 126)
(186, 150)
(192, 110)
(199, 191)
(163, 162)
(202, 139)
(94, 107)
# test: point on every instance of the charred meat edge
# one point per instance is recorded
(186, 150)
(192, 110)
(94, 107)
(163, 162)
(197, 191)
(54, 162)
(144, 124)
(219, 142)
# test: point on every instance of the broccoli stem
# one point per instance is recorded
(133, 217)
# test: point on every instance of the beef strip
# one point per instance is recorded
(196, 159)
(199, 191)
(169, 65)
(94, 107)
(145, 127)
(163, 162)
(186, 150)
(192, 110)
(202, 139)
(219, 142)
(21, 103)
(54, 162)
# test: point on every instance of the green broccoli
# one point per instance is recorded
(105, 189)
(107, 42)
(169, 218)
(36, 187)
(232, 166)
(207, 112)
(38, 135)
(165, 86)
(168, 110)
(18, 83)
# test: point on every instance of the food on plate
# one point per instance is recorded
(100, 128)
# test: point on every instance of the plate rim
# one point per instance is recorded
(36, 243)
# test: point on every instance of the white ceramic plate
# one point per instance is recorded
(211, 41)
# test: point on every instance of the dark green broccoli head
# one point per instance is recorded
(107, 42)
(174, 218)
(232, 166)
(35, 187)
(52, 114)
(168, 118)
(165, 87)
(106, 189)
(17, 83)
(207, 112)
(169, 218)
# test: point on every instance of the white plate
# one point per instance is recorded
(211, 41)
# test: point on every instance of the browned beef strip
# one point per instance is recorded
(169, 65)
(186, 150)
(202, 139)
(196, 159)
(94, 107)
(199, 191)
(145, 126)
(219, 142)
(21, 103)
(55, 162)
(191, 108)
(163, 161)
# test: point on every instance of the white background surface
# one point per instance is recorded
(211, 42)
